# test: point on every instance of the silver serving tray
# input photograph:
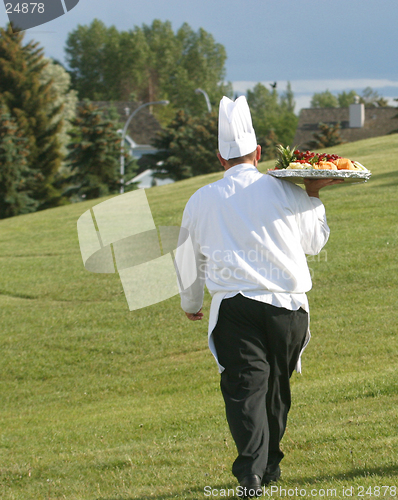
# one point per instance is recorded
(298, 175)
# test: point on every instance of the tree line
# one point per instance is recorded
(57, 147)
(146, 64)
(369, 97)
(53, 152)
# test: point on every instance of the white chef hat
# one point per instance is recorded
(236, 136)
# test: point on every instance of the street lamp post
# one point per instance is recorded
(124, 132)
(201, 91)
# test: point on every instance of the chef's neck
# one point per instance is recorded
(251, 158)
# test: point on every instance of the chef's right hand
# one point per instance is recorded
(195, 316)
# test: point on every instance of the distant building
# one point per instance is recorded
(143, 126)
(137, 150)
(377, 122)
(147, 179)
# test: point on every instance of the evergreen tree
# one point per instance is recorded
(94, 155)
(63, 98)
(15, 177)
(187, 147)
(329, 136)
(29, 101)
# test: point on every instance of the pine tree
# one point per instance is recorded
(329, 136)
(15, 177)
(187, 147)
(94, 154)
(29, 101)
(62, 98)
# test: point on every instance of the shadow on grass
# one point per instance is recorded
(354, 473)
(194, 493)
(198, 491)
(388, 179)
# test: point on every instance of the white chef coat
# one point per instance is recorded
(250, 234)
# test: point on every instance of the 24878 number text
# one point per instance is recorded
(24, 8)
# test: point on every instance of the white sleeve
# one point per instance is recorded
(191, 265)
(311, 219)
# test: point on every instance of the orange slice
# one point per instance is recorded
(344, 164)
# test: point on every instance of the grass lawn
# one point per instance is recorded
(97, 402)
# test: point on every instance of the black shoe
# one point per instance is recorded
(251, 486)
(272, 475)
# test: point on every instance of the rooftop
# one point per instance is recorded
(378, 121)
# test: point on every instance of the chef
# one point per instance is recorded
(249, 236)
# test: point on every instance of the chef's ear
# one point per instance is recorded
(258, 153)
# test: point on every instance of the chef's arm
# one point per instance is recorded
(191, 264)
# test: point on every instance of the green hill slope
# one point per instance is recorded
(97, 402)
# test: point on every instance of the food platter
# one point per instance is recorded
(294, 165)
(298, 175)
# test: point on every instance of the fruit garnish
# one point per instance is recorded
(284, 155)
(293, 158)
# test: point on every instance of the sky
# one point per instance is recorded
(315, 44)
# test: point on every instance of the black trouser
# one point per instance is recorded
(258, 345)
